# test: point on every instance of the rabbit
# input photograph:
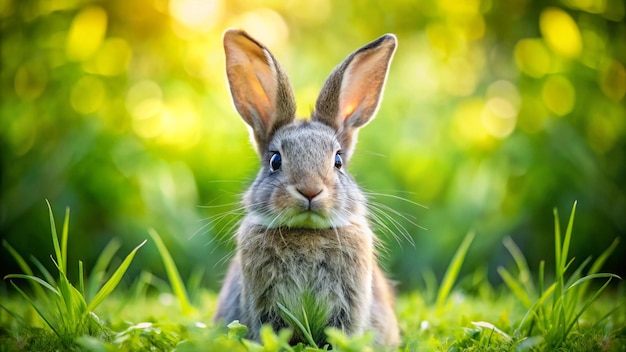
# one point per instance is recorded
(306, 229)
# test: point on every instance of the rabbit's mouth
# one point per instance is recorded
(308, 219)
(305, 219)
(314, 218)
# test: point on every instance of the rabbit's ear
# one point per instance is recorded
(352, 92)
(260, 89)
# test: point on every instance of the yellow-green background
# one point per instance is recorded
(494, 113)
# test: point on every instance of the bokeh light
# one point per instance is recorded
(532, 57)
(86, 33)
(560, 32)
(559, 95)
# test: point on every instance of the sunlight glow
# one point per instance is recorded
(111, 59)
(198, 15)
(459, 76)
(532, 57)
(181, 124)
(446, 40)
(499, 117)
(147, 118)
(501, 111)
(311, 12)
(468, 124)
(268, 26)
(560, 32)
(144, 103)
(462, 8)
(171, 120)
(86, 33)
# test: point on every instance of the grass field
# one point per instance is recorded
(579, 308)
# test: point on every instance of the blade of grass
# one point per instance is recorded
(33, 279)
(44, 272)
(538, 303)
(587, 304)
(64, 237)
(562, 249)
(81, 281)
(39, 311)
(71, 298)
(298, 323)
(18, 258)
(55, 238)
(25, 268)
(178, 287)
(522, 265)
(601, 320)
(571, 294)
(568, 234)
(14, 315)
(557, 257)
(110, 285)
(577, 274)
(565, 306)
(453, 270)
(592, 277)
(597, 265)
(541, 310)
(515, 287)
(141, 285)
(99, 269)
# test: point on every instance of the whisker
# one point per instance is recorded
(379, 222)
(377, 194)
(407, 217)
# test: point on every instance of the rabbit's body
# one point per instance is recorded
(305, 231)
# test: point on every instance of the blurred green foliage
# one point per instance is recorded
(494, 113)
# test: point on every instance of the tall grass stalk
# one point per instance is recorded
(556, 308)
(308, 317)
(60, 305)
(178, 286)
(452, 272)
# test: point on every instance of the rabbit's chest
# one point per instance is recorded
(285, 267)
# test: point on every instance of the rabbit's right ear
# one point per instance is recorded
(260, 89)
(352, 92)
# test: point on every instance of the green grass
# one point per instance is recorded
(578, 309)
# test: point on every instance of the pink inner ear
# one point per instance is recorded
(252, 77)
(362, 84)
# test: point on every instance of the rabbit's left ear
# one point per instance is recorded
(352, 92)
(259, 87)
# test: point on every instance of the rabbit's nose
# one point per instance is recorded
(310, 193)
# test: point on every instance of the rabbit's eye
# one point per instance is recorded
(275, 161)
(338, 161)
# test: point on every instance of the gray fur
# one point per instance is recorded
(306, 227)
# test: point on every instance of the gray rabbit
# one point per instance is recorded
(305, 232)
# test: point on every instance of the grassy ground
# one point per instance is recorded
(579, 309)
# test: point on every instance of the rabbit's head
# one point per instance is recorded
(303, 181)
